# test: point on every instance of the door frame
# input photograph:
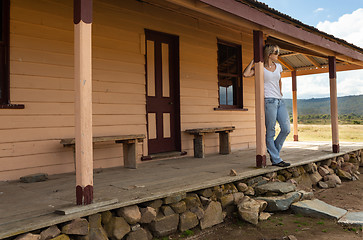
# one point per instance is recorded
(176, 85)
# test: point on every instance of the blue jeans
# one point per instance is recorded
(275, 110)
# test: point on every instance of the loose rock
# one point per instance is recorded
(212, 215)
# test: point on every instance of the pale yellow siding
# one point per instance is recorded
(41, 78)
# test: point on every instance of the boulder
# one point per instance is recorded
(97, 234)
(315, 177)
(288, 175)
(227, 200)
(323, 185)
(323, 171)
(192, 200)
(237, 197)
(148, 214)
(212, 215)
(280, 203)
(140, 234)
(175, 198)
(250, 191)
(167, 210)
(304, 195)
(28, 236)
(206, 192)
(255, 181)
(187, 221)
(304, 182)
(117, 228)
(156, 204)
(50, 233)
(310, 168)
(61, 237)
(344, 175)
(179, 207)
(277, 187)
(249, 210)
(106, 217)
(242, 187)
(78, 226)
(198, 211)
(164, 225)
(264, 216)
(130, 213)
(334, 178)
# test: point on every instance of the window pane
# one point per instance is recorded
(230, 95)
(222, 95)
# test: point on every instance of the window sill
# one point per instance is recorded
(231, 109)
(12, 106)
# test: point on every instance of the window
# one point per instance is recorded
(4, 56)
(229, 75)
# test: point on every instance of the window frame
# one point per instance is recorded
(238, 75)
(4, 58)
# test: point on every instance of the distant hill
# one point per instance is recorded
(346, 105)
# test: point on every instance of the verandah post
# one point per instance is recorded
(259, 100)
(333, 103)
(294, 105)
(83, 100)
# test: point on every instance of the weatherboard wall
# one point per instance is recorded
(41, 78)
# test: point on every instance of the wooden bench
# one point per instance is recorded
(198, 141)
(129, 146)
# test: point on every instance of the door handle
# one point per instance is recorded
(171, 103)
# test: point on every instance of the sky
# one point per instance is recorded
(342, 19)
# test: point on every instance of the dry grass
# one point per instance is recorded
(347, 133)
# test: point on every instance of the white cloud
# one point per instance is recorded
(350, 28)
(318, 10)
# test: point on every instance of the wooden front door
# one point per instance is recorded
(162, 89)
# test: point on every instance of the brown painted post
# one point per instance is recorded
(259, 100)
(294, 105)
(83, 100)
(334, 104)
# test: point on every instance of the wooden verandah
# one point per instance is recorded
(28, 206)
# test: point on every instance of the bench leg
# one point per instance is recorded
(198, 143)
(130, 154)
(224, 143)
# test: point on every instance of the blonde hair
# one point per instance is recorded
(268, 50)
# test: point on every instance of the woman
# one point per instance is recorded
(275, 109)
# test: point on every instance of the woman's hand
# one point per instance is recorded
(249, 70)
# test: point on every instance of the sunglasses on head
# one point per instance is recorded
(276, 52)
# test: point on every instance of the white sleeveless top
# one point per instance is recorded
(272, 79)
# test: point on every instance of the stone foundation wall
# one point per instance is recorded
(251, 199)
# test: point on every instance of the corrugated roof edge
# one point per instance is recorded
(273, 13)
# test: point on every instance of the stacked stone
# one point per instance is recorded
(249, 198)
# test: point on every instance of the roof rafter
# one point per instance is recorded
(312, 60)
(288, 66)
